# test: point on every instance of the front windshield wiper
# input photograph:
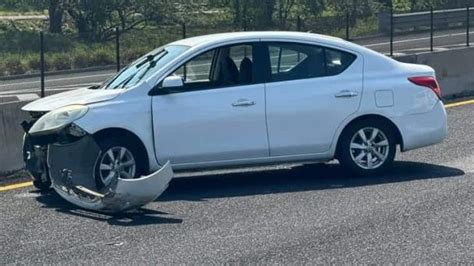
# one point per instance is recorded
(125, 81)
(152, 64)
(149, 58)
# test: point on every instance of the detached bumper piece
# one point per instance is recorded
(71, 170)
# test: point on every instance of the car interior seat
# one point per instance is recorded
(246, 71)
(228, 72)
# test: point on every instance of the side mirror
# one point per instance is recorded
(171, 82)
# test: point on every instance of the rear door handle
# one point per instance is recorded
(243, 103)
(346, 94)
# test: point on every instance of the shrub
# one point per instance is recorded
(32, 62)
(14, 65)
(3, 69)
(103, 56)
(60, 61)
(54, 42)
(131, 55)
(29, 41)
(81, 59)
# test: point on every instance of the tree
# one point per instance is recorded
(55, 10)
(284, 8)
(97, 20)
(56, 13)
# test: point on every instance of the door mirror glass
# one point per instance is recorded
(172, 82)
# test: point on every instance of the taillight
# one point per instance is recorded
(429, 82)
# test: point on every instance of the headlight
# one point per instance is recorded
(58, 119)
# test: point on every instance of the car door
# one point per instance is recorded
(219, 113)
(310, 90)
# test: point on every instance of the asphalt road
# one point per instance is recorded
(407, 43)
(421, 212)
(54, 83)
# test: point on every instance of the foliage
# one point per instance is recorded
(14, 64)
(80, 33)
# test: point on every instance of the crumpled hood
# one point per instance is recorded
(79, 96)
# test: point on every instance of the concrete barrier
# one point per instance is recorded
(454, 69)
(11, 136)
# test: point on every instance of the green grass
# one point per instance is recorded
(24, 63)
(362, 27)
(19, 52)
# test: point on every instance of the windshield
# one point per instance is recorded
(144, 67)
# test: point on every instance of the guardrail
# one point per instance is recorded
(409, 22)
(390, 23)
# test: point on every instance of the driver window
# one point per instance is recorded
(198, 69)
(223, 67)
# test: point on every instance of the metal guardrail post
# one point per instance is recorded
(347, 25)
(245, 23)
(42, 63)
(431, 28)
(468, 25)
(183, 25)
(298, 23)
(117, 47)
(391, 28)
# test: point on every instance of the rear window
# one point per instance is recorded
(293, 61)
(337, 61)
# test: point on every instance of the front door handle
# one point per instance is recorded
(243, 103)
(346, 94)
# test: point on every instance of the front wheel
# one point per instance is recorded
(118, 159)
(367, 148)
(41, 184)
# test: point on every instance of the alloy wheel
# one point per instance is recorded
(369, 148)
(116, 162)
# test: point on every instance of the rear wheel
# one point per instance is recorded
(367, 147)
(118, 159)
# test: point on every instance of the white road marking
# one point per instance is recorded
(27, 97)
(61, 79)
(26, 91)
(82, 85)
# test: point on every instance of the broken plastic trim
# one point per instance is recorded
(71, 169)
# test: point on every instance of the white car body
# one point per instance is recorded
(297, 120)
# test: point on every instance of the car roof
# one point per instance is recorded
(211, 39)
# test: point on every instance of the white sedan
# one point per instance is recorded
(237, 99)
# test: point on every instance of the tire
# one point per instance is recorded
(40, 184)
(379, 150)
(131, 159)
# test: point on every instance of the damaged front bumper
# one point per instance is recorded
(70, 166)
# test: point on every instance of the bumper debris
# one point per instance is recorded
(71, 168)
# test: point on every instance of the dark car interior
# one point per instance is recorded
(233, 65)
